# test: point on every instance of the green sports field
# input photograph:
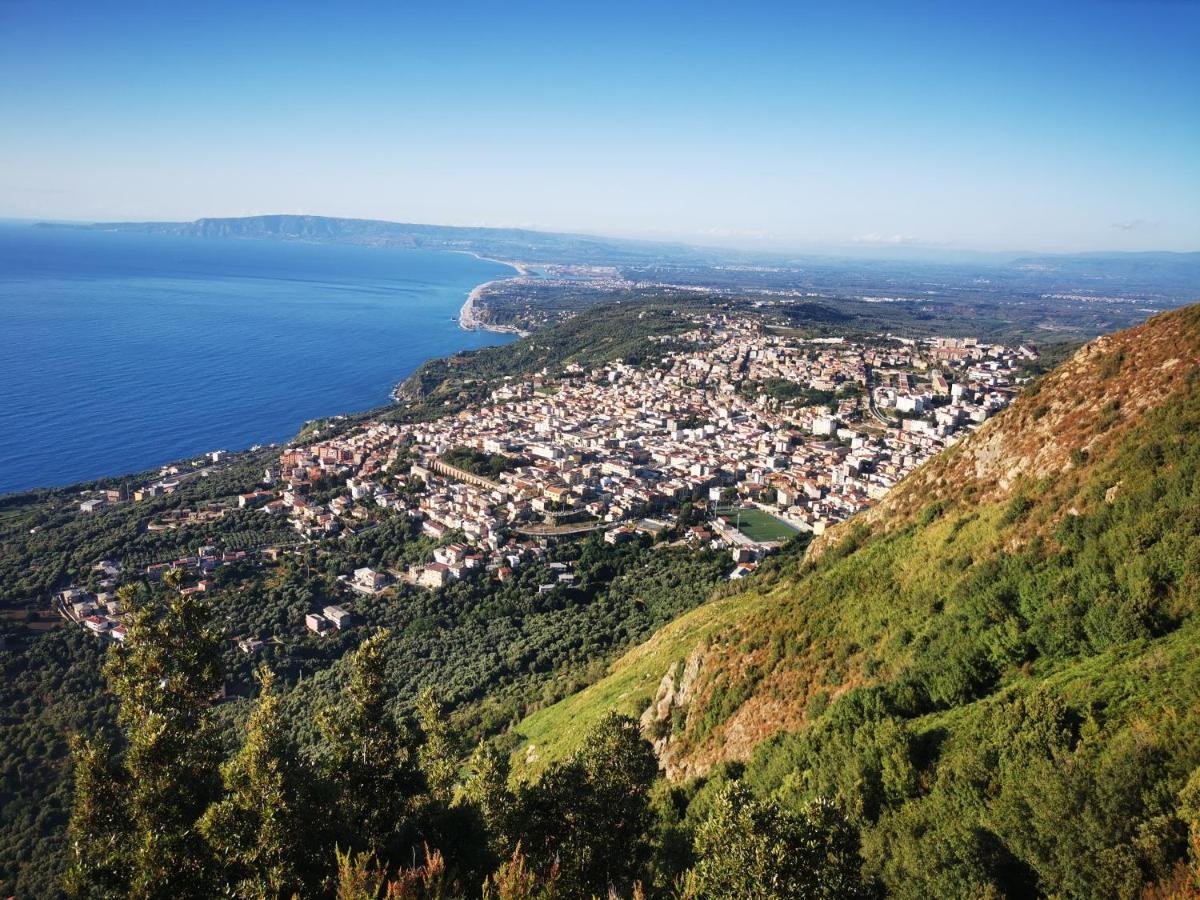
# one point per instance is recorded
(760, 526)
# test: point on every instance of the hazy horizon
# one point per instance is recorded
(860, 251)
(876, 130)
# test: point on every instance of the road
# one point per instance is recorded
(884, 420)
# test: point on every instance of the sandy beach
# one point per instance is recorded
(468, 319)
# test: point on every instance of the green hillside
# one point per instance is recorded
(993, 673)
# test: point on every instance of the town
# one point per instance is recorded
(751, 434)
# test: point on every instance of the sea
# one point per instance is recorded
(121, 351)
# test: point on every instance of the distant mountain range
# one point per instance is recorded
(505, 243)
(547, 246)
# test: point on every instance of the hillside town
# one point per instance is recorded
(754, 436)
(800, 434)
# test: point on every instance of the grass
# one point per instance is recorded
(763, 527)
(554, 732)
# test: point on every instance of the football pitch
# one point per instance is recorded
(763, 527)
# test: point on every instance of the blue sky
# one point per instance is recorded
(1048, 126)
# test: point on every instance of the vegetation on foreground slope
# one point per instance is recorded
(993, 673)
(381, 806)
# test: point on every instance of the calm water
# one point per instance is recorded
(119, 352)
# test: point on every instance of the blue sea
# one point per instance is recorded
(119, 352)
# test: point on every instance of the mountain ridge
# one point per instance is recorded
(510, 243)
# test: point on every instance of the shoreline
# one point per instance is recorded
(468, 321)
(467, 318)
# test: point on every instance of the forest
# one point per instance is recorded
(386, 805)
(495, 652)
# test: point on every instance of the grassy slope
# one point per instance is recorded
(961, 569)
(555, 731)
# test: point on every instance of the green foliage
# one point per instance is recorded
(589, 815)
(1110, 366)
(856, 753)
(757, 850)
(783, 391)
(1109, 413)
(1016, 510)
(46, 543)
(369, 757)
(50, 688)
(486, 790)
(515, 880)
(98, 831)
(258, 829)
(489, 465)
(494, 651)
(166, 677)
(360, 877)
(437, 756)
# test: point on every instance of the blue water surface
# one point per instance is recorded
(123, 351)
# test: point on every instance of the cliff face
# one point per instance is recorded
(1065, 528)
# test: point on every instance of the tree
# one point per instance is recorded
(359, 877)
(98, 830)
(173, 578)
(1189, 811)
(259, 829)
(486, 789)
(438, 759)
(683, 520)
(590, 815)
(751, 849)
(369, 758)
(514, 880)
(165, 678)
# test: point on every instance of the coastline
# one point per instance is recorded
(468, 320)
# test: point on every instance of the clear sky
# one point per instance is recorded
(1046, 126)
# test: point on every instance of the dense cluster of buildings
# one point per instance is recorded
(809, 431)
(98, 611)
